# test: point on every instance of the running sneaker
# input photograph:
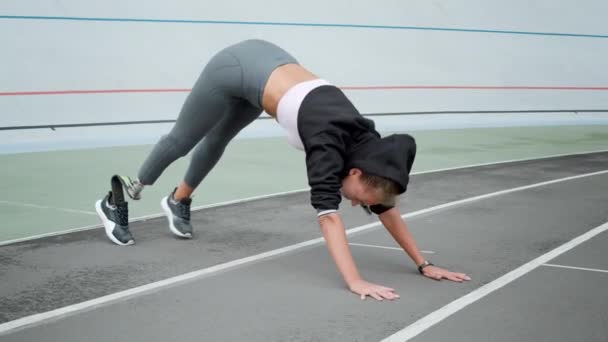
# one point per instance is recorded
(114, 213)
(178, 214)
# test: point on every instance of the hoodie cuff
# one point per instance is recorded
(322, 212)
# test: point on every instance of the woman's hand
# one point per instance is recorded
(439, 273)
(379, 292)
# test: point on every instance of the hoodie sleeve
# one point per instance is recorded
(325, 165)
(379, 208)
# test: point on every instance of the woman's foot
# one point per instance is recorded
(114, 213)
(178, 214)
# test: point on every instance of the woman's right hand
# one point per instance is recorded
(379, 292)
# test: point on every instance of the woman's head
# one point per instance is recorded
(378, 170)
(367, 189)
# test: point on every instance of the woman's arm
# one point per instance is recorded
(337, 243)
(391, 219)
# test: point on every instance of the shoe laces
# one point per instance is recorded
(183, 209)
(122, 211)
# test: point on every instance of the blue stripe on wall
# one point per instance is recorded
(268, 23)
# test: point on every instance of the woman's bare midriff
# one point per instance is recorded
(279, 82)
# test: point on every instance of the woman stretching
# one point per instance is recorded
(345, 155)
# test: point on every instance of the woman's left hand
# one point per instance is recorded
(439, 273)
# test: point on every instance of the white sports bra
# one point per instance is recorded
(289, 106)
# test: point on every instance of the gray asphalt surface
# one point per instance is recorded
(547, 304)
(299, 296)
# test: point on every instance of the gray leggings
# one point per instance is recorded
(226, 97)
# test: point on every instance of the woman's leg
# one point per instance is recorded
(208, 152)
(177, 205)
(236, 73)
(205, 106)
(198, 115)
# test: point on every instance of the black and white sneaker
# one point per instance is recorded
(178, 214)
(114, 213)
(115, 219)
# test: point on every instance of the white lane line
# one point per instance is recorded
(385, 247)
(145, 218)
(437, 316)
(576, 268)
(57, 313)
(248, 199)
(509, 161)
(38, 206)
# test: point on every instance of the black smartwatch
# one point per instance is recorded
(423, 265)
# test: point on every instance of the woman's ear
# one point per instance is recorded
(355, 172)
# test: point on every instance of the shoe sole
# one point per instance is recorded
(125, 181)
(109, 226)
(169, 214)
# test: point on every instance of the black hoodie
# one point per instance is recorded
(337, 137)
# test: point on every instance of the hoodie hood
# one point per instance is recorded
(390, 157)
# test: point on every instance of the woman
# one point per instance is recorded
(345, 155)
